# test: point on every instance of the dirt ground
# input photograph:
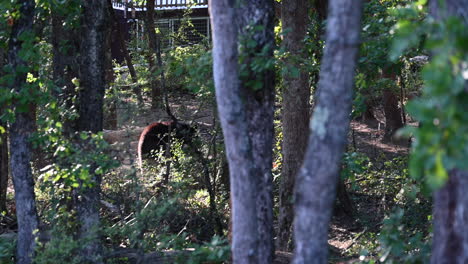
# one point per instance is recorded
(364, 137)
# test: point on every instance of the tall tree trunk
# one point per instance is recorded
(296, 95)
(235, 129)
(64, 63)
(152, 48)
(93, 83)
(4, 169)
(20, 133)
(247, 120)
(451, 201)
(257, 24)
(116, 32)
(316, 182)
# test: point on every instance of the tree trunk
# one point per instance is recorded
(451, 201)
(316, 182)
(260, 112)
(64, 63)
(242, 111)
(20, 133)
(116, 32)
(393, 120)
(152, 48)
(296, 95)
(93, 83)
(450, 220)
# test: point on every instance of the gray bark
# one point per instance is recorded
(451, 201)
(21, 151)
(295, 113)
(93, 82)
(316, 182)
(247, 121)
(450, 219)
(260, 112)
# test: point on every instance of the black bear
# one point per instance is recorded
(156, 136)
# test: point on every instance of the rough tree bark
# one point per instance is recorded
(295, 113)
(64, 63)
(20, 132)
(316, 182)
(93, 82)
(247, 121)
(235, 129)
(257, 24)
(152, 48)
(451, 201)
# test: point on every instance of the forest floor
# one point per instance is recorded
(364, 137)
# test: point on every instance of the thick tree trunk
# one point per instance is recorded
(296, 108)
(20, 133)
(246, 115)
(316, 182)
(93, 83)
(451, 201)
(152, 48)
(255, 14)
(450, 221)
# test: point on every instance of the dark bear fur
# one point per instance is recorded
(156, 136)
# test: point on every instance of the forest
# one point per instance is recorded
(233, 131)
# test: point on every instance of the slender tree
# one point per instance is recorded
(152, 48)
(316, 182)
(246, 112)
(116, 32)
(295, 113)
(65, 47)
(20, 133)
(451, 201)
(94, 24)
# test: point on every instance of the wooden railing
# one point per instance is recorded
(165, 4)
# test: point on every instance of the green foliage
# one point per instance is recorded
(62, 248)
(353, 164)
(399, 246)
(405, 228)
(254, 59)
(7, 249)
(216, 251)
(443, 133)
(192, 68)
